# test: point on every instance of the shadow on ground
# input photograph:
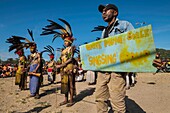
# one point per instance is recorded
(84, 93)
(50, 91)
(132, 106)
(37, 109)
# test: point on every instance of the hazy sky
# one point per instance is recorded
(16, 16)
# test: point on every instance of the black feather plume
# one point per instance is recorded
(53, 28)
(51, 47)
(98, 28)
(31, 34)
(69, 31)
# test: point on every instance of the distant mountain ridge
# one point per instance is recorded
(163, 52)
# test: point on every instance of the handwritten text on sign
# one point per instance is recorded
(132, 51)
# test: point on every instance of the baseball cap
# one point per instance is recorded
(108, 6)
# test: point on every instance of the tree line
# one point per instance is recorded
(163, 52)
(9, 61)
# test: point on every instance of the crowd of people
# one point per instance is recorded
(7, 70)
(162, 64)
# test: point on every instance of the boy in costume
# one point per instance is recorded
(20, 76)
(51, 70)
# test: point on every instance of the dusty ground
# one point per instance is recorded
(151, 95)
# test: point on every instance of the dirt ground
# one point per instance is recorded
(151, 95)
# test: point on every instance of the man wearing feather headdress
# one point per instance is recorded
(20, 77)
(34, 68)
(51, 64)
(67, 65)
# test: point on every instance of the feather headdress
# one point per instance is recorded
(15, 43)
(19, 43)
(98, 28)
(30, 43)
(49, 49)
(59, 31)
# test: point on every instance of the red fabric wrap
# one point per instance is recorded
(50, 70)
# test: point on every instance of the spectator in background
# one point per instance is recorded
(90, 77)
(80, 75)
